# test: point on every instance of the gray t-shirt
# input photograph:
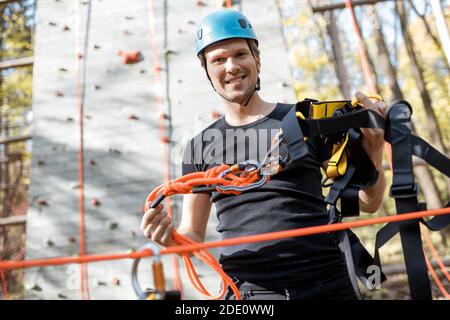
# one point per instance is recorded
(291, 199)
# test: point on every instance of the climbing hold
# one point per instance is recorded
(84, 2)
(75, 186)
(143, 71)
(49, 242)
(115, 281)
(126, 32)
(129, 18)
(88, 117)
(191, 22)
(201, 3)
(63, 69)
(113, 150)
(61, 296)
(42, 203)
(69, 119)
(133, 234)
(59, 93)
(96, 46)
(165, 139)
(51, 23)
(163, 116)
(112, 225)
(95, 202)
(80, 56)
(40, 162)
(72, 239)
(168, 51)
(133, 117)
(34, 287)
(130, 57)
(180, 31)
(215, 114)
(66, 28)
(93, 162)
(97, 87)
(99, 282)
(283, 84)
(180, 80)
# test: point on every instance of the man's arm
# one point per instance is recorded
(157, 226)
(195, 216)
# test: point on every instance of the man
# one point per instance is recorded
(297, 268)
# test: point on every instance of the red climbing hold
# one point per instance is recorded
(215, 114)
(165, 139)
(130, 57)
(59, 93)
(95, 202)
(133, 117)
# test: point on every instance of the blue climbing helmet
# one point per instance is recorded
(222, 25)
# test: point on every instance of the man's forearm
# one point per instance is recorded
(371, 198)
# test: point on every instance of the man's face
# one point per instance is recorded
(232, 69)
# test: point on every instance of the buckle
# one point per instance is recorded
(404, 191)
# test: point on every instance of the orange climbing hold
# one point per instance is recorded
(130, 57)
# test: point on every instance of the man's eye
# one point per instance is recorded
(218, 60)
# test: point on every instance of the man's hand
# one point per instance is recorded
(157, 226)
(373, 139)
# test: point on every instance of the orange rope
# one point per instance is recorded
(185, 248)
(435, 277)
(362, 54)
(436, 256)
(80, 104)
(162, 127)
(4, 284)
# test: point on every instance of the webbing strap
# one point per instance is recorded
(361, 118)
(293, 136)
(404, 191)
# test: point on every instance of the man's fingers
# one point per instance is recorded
(156, 221)
(365, 101)
(167, 236)
(149, 215)
(160, 230)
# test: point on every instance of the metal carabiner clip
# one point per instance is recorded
(158, 275)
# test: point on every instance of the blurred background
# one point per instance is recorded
(98, 99)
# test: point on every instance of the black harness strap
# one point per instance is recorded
(404, 191)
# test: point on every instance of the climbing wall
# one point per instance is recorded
(122, 138)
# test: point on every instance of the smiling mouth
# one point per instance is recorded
(235, 80)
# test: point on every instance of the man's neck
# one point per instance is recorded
(256, 109)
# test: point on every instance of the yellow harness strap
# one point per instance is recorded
(337, 165)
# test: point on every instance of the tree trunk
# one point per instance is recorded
(338, 61)
(431, 35)
(417, 72)
(441, 27)
(423, 173)
(369, 59)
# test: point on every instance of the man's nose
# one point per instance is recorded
(231, 66)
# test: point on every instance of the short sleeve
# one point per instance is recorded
(188, 165)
